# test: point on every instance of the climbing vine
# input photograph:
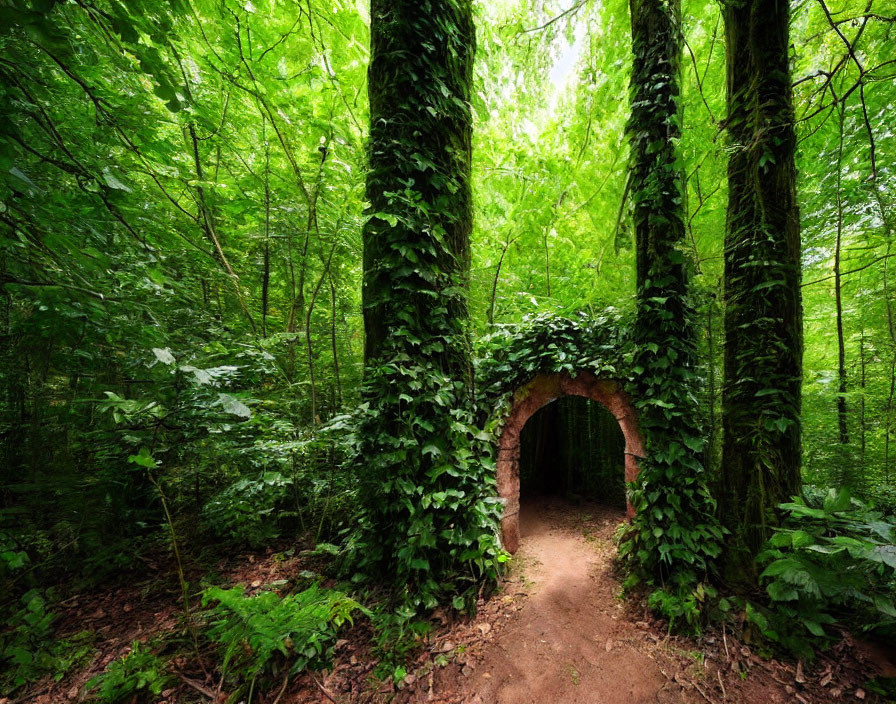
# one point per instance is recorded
(673, 537)
(674, 534)
(429, 508)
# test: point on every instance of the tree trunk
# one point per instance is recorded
(670, 496)
(763, 313)
(838, 295)
(422, 138)
(655, 128)
(418, 425)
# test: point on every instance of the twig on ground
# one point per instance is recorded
(282, 689)
(725, 641)
(323, 689)
(702, 693)
(198, 686)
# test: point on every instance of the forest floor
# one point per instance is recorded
(557, 632)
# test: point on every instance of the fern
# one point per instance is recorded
(267, 634)
(138, 676)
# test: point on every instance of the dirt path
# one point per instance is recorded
(570, 641)
(555, 633)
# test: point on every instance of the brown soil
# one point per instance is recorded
(570, 642)
(557, 632)
(560, 633)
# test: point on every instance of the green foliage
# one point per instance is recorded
(138, 676)
(12, 558)
(247, 510)
(428, 524)
(267, 634)
(181, 189)
(833, 560)
(29, 648)
(674, 537)
(397, 636)
(430, 495)
(682, 603)
(181, 197)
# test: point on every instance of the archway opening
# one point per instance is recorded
(573, 449)
(542, 390)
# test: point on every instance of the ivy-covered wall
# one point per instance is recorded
(673, 536)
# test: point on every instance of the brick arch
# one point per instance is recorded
(543, 389)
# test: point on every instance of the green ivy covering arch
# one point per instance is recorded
(674, 537)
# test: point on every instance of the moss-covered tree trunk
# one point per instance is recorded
(417, 244)
(429, 520)
(674, 530)
(763, 310)
(655, 129)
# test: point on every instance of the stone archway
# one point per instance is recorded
(543, 389)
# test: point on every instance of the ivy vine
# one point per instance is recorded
(429, 516)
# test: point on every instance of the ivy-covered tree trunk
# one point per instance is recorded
(674, 533)
(763, 310)
(429, 523)
(417, 244)
(654, 130)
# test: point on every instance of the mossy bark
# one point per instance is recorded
(654, 130)
(674, 531)
(420, 151)
(428, 519)
(763, 310)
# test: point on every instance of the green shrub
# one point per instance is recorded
(249, 510)
(139, 675)
(833, 559)
(29, 649)
(266, 634)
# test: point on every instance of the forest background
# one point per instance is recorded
(183, 200)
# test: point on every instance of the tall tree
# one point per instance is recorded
(425, 492)
(418, 183)
(763, 309)
(674, 530)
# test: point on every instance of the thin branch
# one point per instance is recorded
(575, 8)
(851, 271)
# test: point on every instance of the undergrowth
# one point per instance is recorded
(138, 676)
(30, 649)
(265, 636)
(831, 563)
